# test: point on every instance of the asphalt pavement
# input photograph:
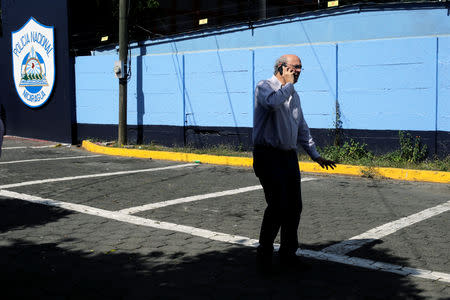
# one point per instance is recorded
(76, 225)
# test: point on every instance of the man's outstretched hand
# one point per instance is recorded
(325, 163)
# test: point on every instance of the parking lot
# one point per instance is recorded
(74, 225)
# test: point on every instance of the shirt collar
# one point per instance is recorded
(275, 82)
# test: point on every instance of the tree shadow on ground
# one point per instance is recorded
(17, 214)
(47, 271)
(54, 270)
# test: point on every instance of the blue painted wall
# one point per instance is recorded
(96, 90)
(388, 84)
(388, 69)
(219, 88)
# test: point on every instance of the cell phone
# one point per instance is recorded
(280, 68)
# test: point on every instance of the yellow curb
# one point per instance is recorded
(392, 173)
(176, 156)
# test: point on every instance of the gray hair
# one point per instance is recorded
(278, 62)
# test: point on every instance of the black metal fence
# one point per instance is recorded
(94, 24)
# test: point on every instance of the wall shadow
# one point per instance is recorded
(140, 98)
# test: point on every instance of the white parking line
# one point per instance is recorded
(132, 219)
(13, 185)
(386, 229)
(233, 239)
(374, 265)
(133, 210)
(36, 147)
(44, 159)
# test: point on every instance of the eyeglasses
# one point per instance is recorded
(297, 67)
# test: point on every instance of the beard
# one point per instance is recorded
(296, 77)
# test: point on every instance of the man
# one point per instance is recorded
(278, 127)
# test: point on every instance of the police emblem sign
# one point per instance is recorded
(33, 57)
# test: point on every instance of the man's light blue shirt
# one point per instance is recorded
(278, 118)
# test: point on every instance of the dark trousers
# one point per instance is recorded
(279, 175)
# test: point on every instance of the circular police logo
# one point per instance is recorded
(33, 62)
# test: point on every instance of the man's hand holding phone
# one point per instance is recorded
(288, 74)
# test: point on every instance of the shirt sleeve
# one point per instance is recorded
(269, 98)
(305, 139)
